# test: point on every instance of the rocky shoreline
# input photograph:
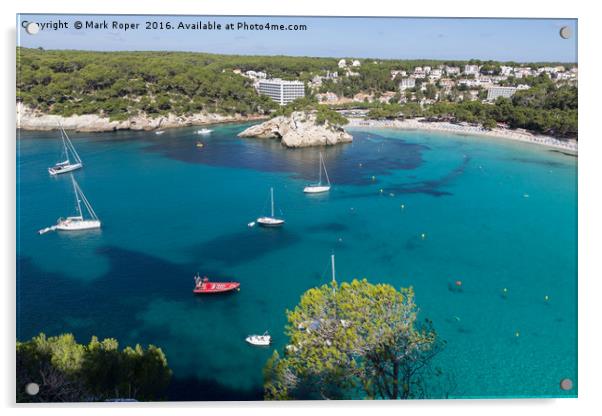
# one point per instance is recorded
(503, 133)
(300, 129)
(29, 119)
(297, 130)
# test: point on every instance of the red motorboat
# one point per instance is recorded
(203, 285)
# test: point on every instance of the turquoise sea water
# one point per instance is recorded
(495, 214)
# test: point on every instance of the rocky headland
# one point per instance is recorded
(300, 129)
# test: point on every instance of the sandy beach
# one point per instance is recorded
(465, 129)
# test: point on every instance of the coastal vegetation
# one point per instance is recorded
(356, 340)
(544, 108)
(67, 371)
(120, 85)
(324, 114)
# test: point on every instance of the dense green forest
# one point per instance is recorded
(67, 371)
(119, 84)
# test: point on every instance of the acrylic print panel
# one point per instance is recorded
(270, 208)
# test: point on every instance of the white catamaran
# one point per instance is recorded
(319, 187)
(270, 221)
(67, 165)
(78, 222)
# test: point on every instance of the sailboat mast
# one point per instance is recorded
(69, 145)
(65, 149)
(77, 199)
(325, 172)
(320, 169)
(272, 198)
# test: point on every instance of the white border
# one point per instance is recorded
(590, 208)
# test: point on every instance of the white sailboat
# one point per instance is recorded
(270, 221)
(77, 222)
(319, 187)
(69, 152)
(204, 131)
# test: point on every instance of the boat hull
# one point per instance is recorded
(215, 287)
(59, 169)
(77, 225)
(259, 341)
(270, 222)
(316, 189)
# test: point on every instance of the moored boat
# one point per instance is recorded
(260, 340)
(204, 286)
(204, 131)
(270, 221)
(319, 187)
(76, 222)
(67, 165)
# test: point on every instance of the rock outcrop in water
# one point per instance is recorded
(28, 119)
(300, 129)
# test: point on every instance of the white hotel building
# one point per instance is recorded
(406, 83)
(494, 92)
(281, 91)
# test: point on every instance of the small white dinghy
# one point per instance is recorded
(270, 221)
(66, 165)
(204, 131)
(260, 340)
(160, 132)
(319, 187)
(77, 222)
